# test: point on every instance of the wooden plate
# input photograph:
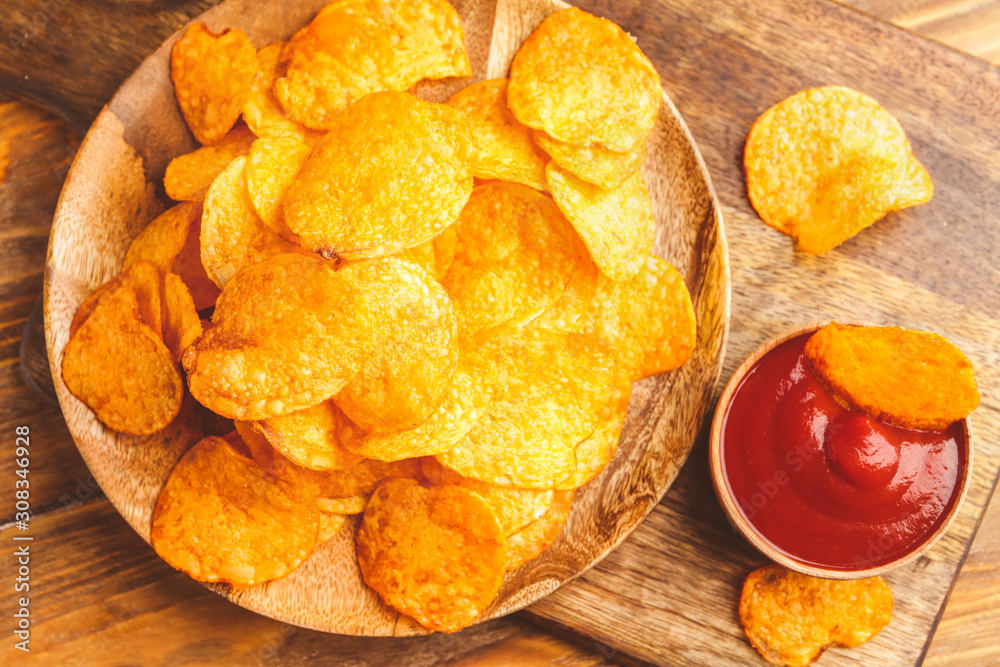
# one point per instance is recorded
(114, 189)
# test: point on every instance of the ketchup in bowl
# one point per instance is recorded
(827, 487)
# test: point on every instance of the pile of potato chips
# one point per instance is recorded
(428, 315)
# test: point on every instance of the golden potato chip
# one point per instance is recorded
(189, 176)
(406, 377)
(594, 164)
(181, 324)
(262, 113)
(596, 451)
(220, 517)
(330, 524)
(431, 42)
(827, 162)
(436, 554)
(434, 256)
(212, 75)
(616, 225)
(188, 266)
(514, 256)
(352, 505)
(271, 167)
(584, 81)
(515, 508)
(464, 405)
(311, 438)
(547, 398)
(364, 478)
(145, 391)
(143, 278)
(415, 178)
(793, 618)
(569, 311)
(287, 333)
(531, 541)
(505, 149)
(912, 379)
(163, 238)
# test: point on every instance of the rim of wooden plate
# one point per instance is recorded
(114, 189)
(747, 529)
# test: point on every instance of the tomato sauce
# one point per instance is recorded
(826, 486)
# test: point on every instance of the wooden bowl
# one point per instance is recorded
(747, 529)
(114, 189)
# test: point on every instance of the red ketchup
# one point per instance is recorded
(826, 486)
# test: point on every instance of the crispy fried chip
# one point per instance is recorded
(505, 149)
(415, 178)
(431, 42)
(188, 266)
(271, 167)
(616, 225)
(189, 176)
(143, 278)
(912, 379)
(288, 333)
(827, 162)
(163, 239)
(352, 505)
(364, 478)
(515, 508)
(436, 554)
(181, 324)
(212, 75)
(145, 391)
(584, 81)
(262, 113)
(405, 379)
(514, 257)
(311, 438)
(594, 164)
(531, 541)
(221, 517)
(434, 256)
(792, 618)
(547, 398)
(329, 525)
(594, 453)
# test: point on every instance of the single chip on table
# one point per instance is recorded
(406, 377)
(144, 393)
(912, 379)
(212, 75)
(188, 265)
(601, 166)
(181, 324)
(827, 162)
(436, 554)
(531, 541)
(272, 166)
(221, 518)
(515, 508)
(311, 438)
(792, 618)
(505, 149)
(547, 398)
(277, 345)
(415, 178)
(583, 81)
(262, 112)
(434, 256)
(163, 239)
(514, 257)
(189, 176)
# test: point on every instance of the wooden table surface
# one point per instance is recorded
(131, 608)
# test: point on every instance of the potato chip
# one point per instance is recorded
(221, 518)
(330, 524)
(793, 618)
(262, 112)
(347, 506)
(212, 75)
(436, 554)
(287, 334)
(144, 280)
(434, 256)
(827, 162)
(514, 256)
(596, 451)
(601, 166)
(431, 42)
(163, 238)
(311, 438)
(584, 81)
(616, 225)
(912, 379)
(415, 178)
(181, 324)
(187, 265)
(145, 391)
(531, 541)
(271, 167)
(547, 398)
(515, 508)
(189, 176)
(505, 149)
(406, 377)
(363, 478)
(464, 405)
